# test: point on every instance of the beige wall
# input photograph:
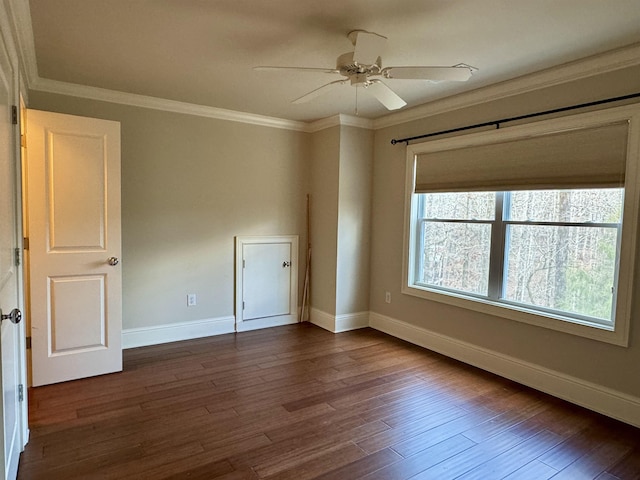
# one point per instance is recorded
(189, 186)
(604, 364)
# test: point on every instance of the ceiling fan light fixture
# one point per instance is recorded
(359, 79)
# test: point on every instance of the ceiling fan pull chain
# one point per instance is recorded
(356, 112)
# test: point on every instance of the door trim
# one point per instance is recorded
(255, 324)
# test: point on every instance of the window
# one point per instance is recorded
(536, 223)
(555, 251)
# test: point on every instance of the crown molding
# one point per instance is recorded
(132, 99)
(618, 59)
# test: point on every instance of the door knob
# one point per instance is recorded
(286, 264)
(15, 316)
(113, 261)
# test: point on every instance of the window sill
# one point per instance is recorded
(522, 314)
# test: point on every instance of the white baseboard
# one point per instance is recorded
(352, 321)
(339, 323)
(595, 397)
(174, 332)
(322, 319)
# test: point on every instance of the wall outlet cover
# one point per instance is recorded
(192, 300)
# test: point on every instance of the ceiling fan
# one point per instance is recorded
(363, 66)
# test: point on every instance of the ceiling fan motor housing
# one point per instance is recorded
(354, 71)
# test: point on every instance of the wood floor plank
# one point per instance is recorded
(138, 467)
(466, 460)
(308, 445)
(596, 461)
(180, 468)
(442, 432)
(412, 466)
(335, 456)
(405, 432)
(515, 458)
(534, 470)
(298, 402)
(567, 452)
(362, 467)
(628, 467)
(207, 471)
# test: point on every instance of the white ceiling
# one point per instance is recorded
(202, 51)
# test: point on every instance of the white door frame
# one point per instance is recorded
(23, 431)
(253, 324)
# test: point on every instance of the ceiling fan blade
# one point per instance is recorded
(266, 68)
(368, 47)
(385, 95)
(458, 73)
(316, 93)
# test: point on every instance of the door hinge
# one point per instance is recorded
(23, 141)
(25, 243)
(17, 252)
(244, 265)
(14, 114)
(28, 343)
(242, 305)
(21, 393)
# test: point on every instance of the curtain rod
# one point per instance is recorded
(512, 119)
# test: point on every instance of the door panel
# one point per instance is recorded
(266, 281)
(76, 209)
(77, 314)
(73, 197)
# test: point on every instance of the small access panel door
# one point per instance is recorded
(266, 290)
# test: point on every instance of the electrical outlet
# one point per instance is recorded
(192, 300)
(387, 297)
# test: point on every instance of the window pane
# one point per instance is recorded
(598, 205)
(460, 206)
(456, 256)
(565, 268)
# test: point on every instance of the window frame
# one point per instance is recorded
(498, 250)
(618, 332)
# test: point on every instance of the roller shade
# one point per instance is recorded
(590, 157)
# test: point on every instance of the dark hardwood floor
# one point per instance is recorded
(298, 403)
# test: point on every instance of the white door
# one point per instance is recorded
(267, 279)
(267, 282)
(11, 333)
(73, 206)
